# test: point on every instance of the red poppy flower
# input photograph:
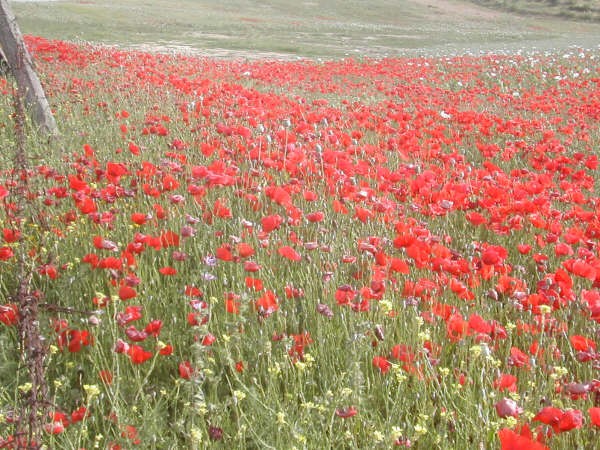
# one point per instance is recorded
(77, 184)
(169, 239)
(127, 293)
(131, 434)
(232, 306)
(169, 183)
(267, 304)
(186, 371)
(289, 253)
(398, 265)
(245, 250)
(569, 420)
(524, 249)
(479, 324)
(315, 216)
(475, 218)
(161, 213)
(254, 283)
(193, 291)
(131, 314)
(506, 382)
(9, 314)
(104, 244)
(403, 353)
(345, 294)
(251, 266)
(493, 255)
(347, 412)
(271, 223)
(134, 149)
(154, 327)
(114, 171)
(510, 440)
(339, 207)
(582, 344)
(208, 340)
(11, 235)
(139, 218)
(363, 214)
(49, 270)
(79, 414)
(221, 210)
(86, 205)
(138, 355)
(381, 363)
(457, 328)
(54, 427)
(581, 268)
(110, 262)
(74, 340)
(517, 358)
(549, 415)
(224, 253)
(594, 413)
(167, 271)
(293, 292)
(6, 253)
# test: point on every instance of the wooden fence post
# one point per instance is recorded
(21, 66)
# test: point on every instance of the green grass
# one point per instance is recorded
(287, 28)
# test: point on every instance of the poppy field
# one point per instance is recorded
(359, 253)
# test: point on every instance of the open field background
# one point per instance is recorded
(284, 28)
(344, 253)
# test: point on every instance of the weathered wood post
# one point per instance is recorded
(21, 67)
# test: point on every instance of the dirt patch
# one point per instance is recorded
(217, 36)
(221, 53)
(459, 9)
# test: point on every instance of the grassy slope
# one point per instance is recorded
(570, 9)
(299, 28)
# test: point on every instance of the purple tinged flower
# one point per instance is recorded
(187, 231)
(210, 260)
(508, 408)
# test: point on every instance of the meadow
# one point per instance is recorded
(395, 252)
(286, 29)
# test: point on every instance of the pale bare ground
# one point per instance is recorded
(220, 53)
(457, 9)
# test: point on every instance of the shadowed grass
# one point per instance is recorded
(588, 10)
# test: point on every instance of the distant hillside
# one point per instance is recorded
(588, 10)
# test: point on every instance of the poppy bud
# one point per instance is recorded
(215, 433)
(507, 408)
(324, 310)
(379, 332)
